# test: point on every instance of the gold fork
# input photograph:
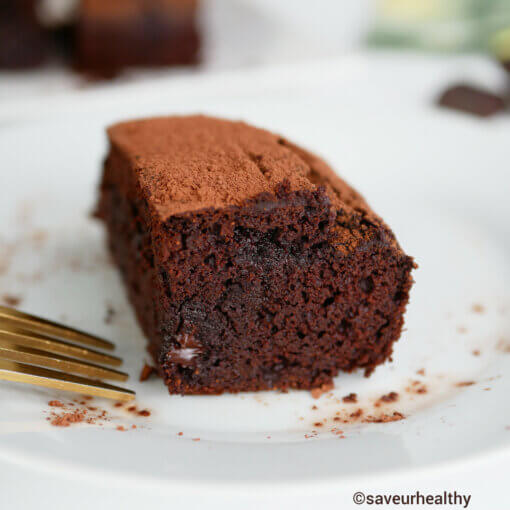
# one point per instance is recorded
(44, 353)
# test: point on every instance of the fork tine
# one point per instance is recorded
(12, 352)
(38, 325)
(44, 343)
(20, 372)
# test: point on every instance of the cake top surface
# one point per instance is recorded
(185, 164)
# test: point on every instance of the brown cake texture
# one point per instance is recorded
(116, 34)
(249, 263)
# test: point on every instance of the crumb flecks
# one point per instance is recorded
(503, 345)
(356, 414)
(392, 396)
(416, 388)
(384, 418)
(65, 414)
(478, 308)
(463, 384)
(476, 352)
(325, 388)
(421, 372)
(351, 398)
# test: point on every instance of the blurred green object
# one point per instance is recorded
(444, 25)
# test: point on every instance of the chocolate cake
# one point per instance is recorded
(249, 263)
(115, 34)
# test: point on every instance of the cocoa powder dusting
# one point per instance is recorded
(352, 398)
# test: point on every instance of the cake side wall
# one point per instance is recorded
(127, 218)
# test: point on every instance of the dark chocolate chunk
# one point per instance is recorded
(472, 100)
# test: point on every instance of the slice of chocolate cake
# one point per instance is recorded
(249, 263)
(115, 34)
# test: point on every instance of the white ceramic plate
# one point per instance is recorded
(440, 179)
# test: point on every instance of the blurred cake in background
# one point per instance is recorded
(115, 34)
(101, 37)
(23, 41)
